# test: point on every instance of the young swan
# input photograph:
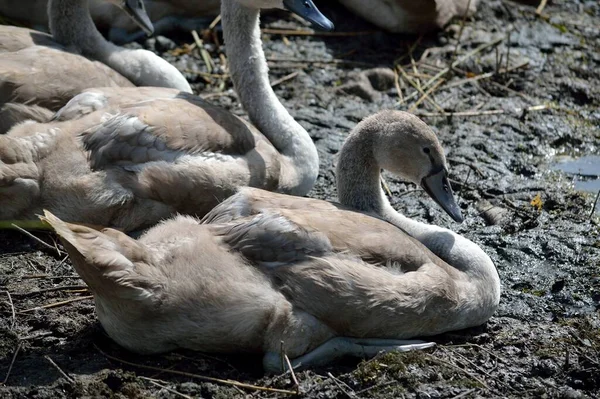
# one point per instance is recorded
(264, 268)
(406, 16)
(148, 153)
(39, 72)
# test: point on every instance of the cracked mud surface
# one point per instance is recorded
(544, 340)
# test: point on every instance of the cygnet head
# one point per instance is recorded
(136, 11)
(304, 8)
(407, 147)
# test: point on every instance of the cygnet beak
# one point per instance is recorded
(438, 188)
(137, 11)
(307, 10)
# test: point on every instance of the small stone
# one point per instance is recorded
(164, 44)
(570, 393)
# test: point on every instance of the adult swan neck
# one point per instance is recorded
(250, 76)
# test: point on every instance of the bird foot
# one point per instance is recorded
(343, 346)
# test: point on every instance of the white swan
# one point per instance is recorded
(161, 152)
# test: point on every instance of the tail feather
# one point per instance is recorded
(110, 262)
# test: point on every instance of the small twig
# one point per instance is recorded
(461, 60)
(71, 380)
(214, 95)
(24, 224)
(56, 304)
(340, 386)
(12, 308)
(460, 32)
(508, 48)
(281, 354)
(397, 84)
(469, 164)
(12, 362)
(454, 366)
(594, 206)
(540, 7)
(411, 49)
(462, 113)
(291, 369)
(377, 386)
(33, 276)
(426, 96)
(498, 60)
(179, 356)
(533, 108)
(465, 393)
(482, 370)
(419, 90)
(385, 186)
(214, 22)
(38, 239)
(61, 288)
(197, 376)
(414, 66)
(34, 336)
(407, 192)
(508, 89)
(203, 53)
(284, 79)
(524, 214)
(174, 392)
(486, 75)
(481, 348)
(465, 182)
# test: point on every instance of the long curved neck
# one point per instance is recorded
(249, 73)
(72, 26)
(359, 187)
(358, 173)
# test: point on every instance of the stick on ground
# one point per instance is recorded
(64, 374)
(56, 304)
(198, 376)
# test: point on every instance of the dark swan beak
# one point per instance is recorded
(137, 11)
(438, 188)
(307, 10)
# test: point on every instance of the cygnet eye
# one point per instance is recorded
(426, 150)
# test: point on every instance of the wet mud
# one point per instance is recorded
(522, 92)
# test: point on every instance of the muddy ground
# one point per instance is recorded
(544, 341)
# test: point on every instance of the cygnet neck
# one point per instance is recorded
(72, 26)
(249, 73)
(358, 173)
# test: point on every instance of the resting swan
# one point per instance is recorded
(47, 71)
(165, 15)
(325, 279)
(406, 16)
(132, 165)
